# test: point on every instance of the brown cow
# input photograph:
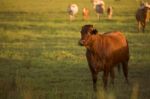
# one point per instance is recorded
(104, 52)
(143, 15)
(109, 12)
(85, 13)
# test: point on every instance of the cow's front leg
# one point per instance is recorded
(105, 78)
(94, 77)
(143, 26)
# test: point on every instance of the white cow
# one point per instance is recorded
(72, 11)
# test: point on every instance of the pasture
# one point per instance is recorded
(40, 57)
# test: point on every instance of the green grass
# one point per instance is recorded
(40, 57)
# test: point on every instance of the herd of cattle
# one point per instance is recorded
(142, 14)
(98, 6)
(106, 51)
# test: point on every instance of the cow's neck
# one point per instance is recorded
(95, 44)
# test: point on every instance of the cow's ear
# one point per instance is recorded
(94, 31)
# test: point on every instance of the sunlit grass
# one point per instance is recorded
(40, 57)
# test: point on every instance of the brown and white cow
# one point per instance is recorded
(143, 16)
(99, 7)
(72, 11)
(104, 52)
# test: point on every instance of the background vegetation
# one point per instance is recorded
(40, 57)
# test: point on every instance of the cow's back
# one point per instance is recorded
(115, 47)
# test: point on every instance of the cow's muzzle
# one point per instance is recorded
(81, 42)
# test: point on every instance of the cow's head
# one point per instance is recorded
(86, 32)
(146, 7)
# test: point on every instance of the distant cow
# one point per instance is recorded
(100, 8)
(109, 12)
(72, 11)
(104, 52)
(85, 13)
(142, 16)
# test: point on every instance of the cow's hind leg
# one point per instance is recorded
(112, 75)
(125, 70)
(139, 26)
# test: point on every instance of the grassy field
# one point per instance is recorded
(40, 57)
